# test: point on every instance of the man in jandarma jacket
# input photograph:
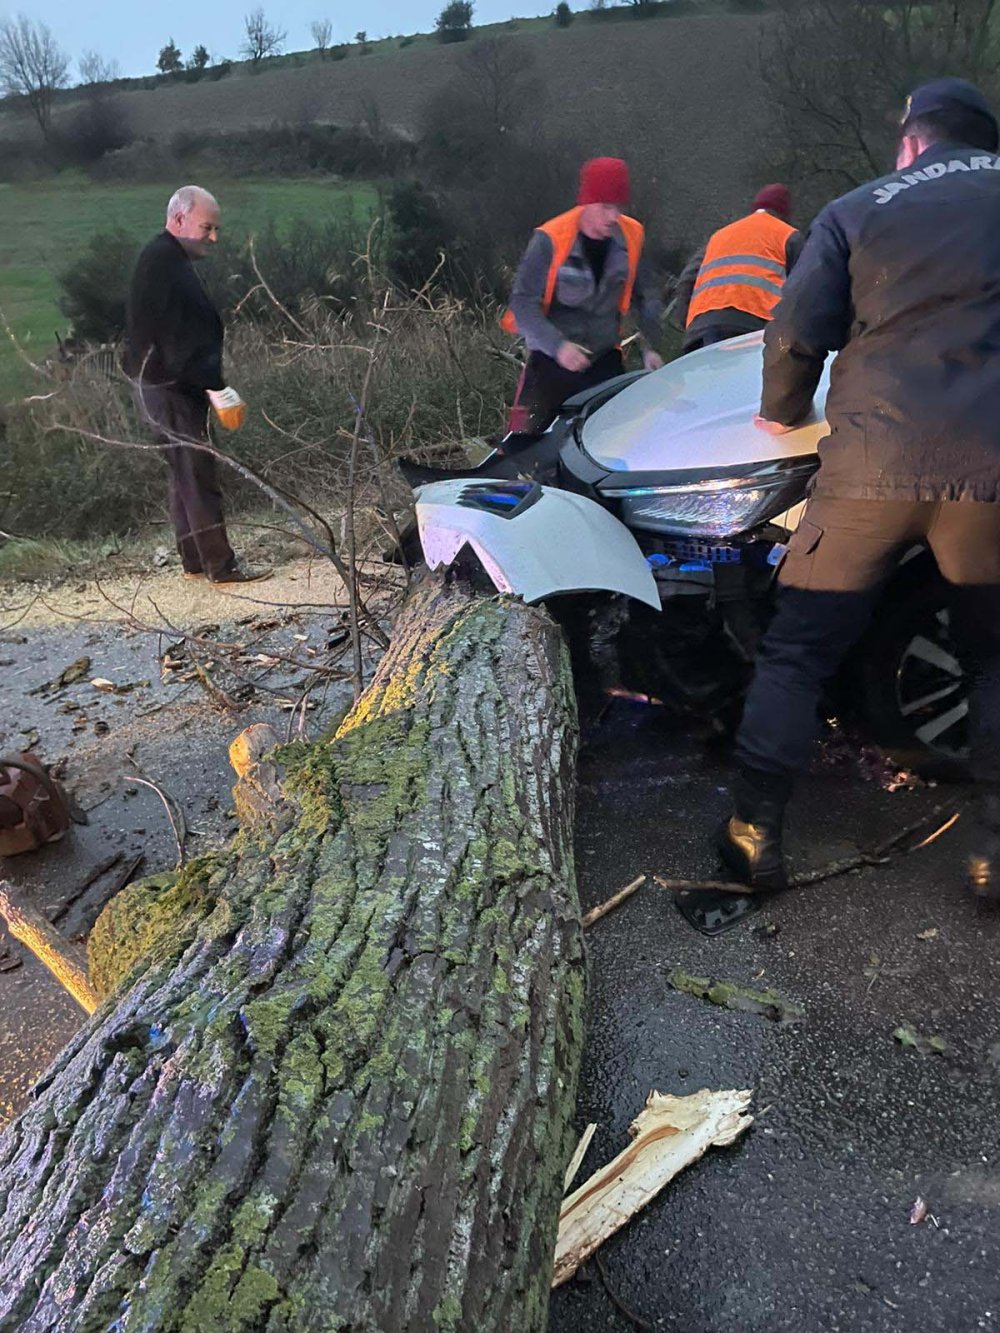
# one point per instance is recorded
(900, 278)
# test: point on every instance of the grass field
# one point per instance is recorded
(47, 224)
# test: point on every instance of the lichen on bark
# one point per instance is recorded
(337, 1090)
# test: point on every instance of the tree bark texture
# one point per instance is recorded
(334, 1087)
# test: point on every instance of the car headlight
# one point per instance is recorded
(721, 507)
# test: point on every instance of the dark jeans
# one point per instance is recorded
(544, 386)
(195, 495)
(838, 563)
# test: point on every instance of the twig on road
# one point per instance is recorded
(609, 905)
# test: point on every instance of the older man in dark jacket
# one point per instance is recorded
(173, 353)
(901, 278)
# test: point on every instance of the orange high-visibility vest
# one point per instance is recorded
(562, 231)
(743, 268)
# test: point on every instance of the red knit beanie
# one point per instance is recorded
(604, 180)
(776, 199)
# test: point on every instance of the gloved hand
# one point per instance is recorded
(229, 407)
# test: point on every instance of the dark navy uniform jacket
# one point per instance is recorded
(902, 279)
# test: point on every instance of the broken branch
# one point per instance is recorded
(668, 1134)
(609, 905)
(28, 925)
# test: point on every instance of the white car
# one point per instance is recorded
(659, 488)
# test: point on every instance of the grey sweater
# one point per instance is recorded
(582, 311)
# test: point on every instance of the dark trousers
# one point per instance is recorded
(715, 333)
(838, 562)
(544, 386)
(195, 494)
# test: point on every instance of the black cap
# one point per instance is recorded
(945, 95)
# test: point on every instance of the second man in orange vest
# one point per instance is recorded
(735, 283)
(580, 275)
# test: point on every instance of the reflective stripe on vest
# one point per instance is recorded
(562, 231)
(743, 268)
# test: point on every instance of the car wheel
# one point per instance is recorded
(909, 686)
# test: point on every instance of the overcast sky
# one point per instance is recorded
(132, 33)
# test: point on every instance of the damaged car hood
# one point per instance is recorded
(696, 412)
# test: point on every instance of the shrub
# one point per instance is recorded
(308, 265)
(454, 23)
(563, 15)
(219, 71)
(339, 52)
(98, 127)
(95, 287)
(442, 380)
(421, 234)
(20, 160)
(406, 41)
(142, 160)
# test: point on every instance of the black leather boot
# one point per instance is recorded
(749, 842)
(983, 864)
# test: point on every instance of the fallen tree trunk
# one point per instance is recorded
(334, 1086)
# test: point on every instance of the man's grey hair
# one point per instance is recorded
(182, 201)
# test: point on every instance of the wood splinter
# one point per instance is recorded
(28, 925)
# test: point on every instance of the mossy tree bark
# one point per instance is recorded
(336, 1090)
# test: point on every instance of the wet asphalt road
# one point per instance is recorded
(804, 1223)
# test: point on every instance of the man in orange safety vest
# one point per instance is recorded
(735, 283)
(580, 275)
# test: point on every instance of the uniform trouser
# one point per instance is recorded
(832, 577)
(544, 386)
(195, 494)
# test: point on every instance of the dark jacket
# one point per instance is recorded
(173, 332)
(582, 311)
(740, 321)
(902, 278)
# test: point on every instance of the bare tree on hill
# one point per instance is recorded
(32, 66)
(838, 72)
(499, 75)
(262, 37)
(95, 69)
(322, 35)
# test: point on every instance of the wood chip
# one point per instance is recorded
(667, 1135)
(578, 1156)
